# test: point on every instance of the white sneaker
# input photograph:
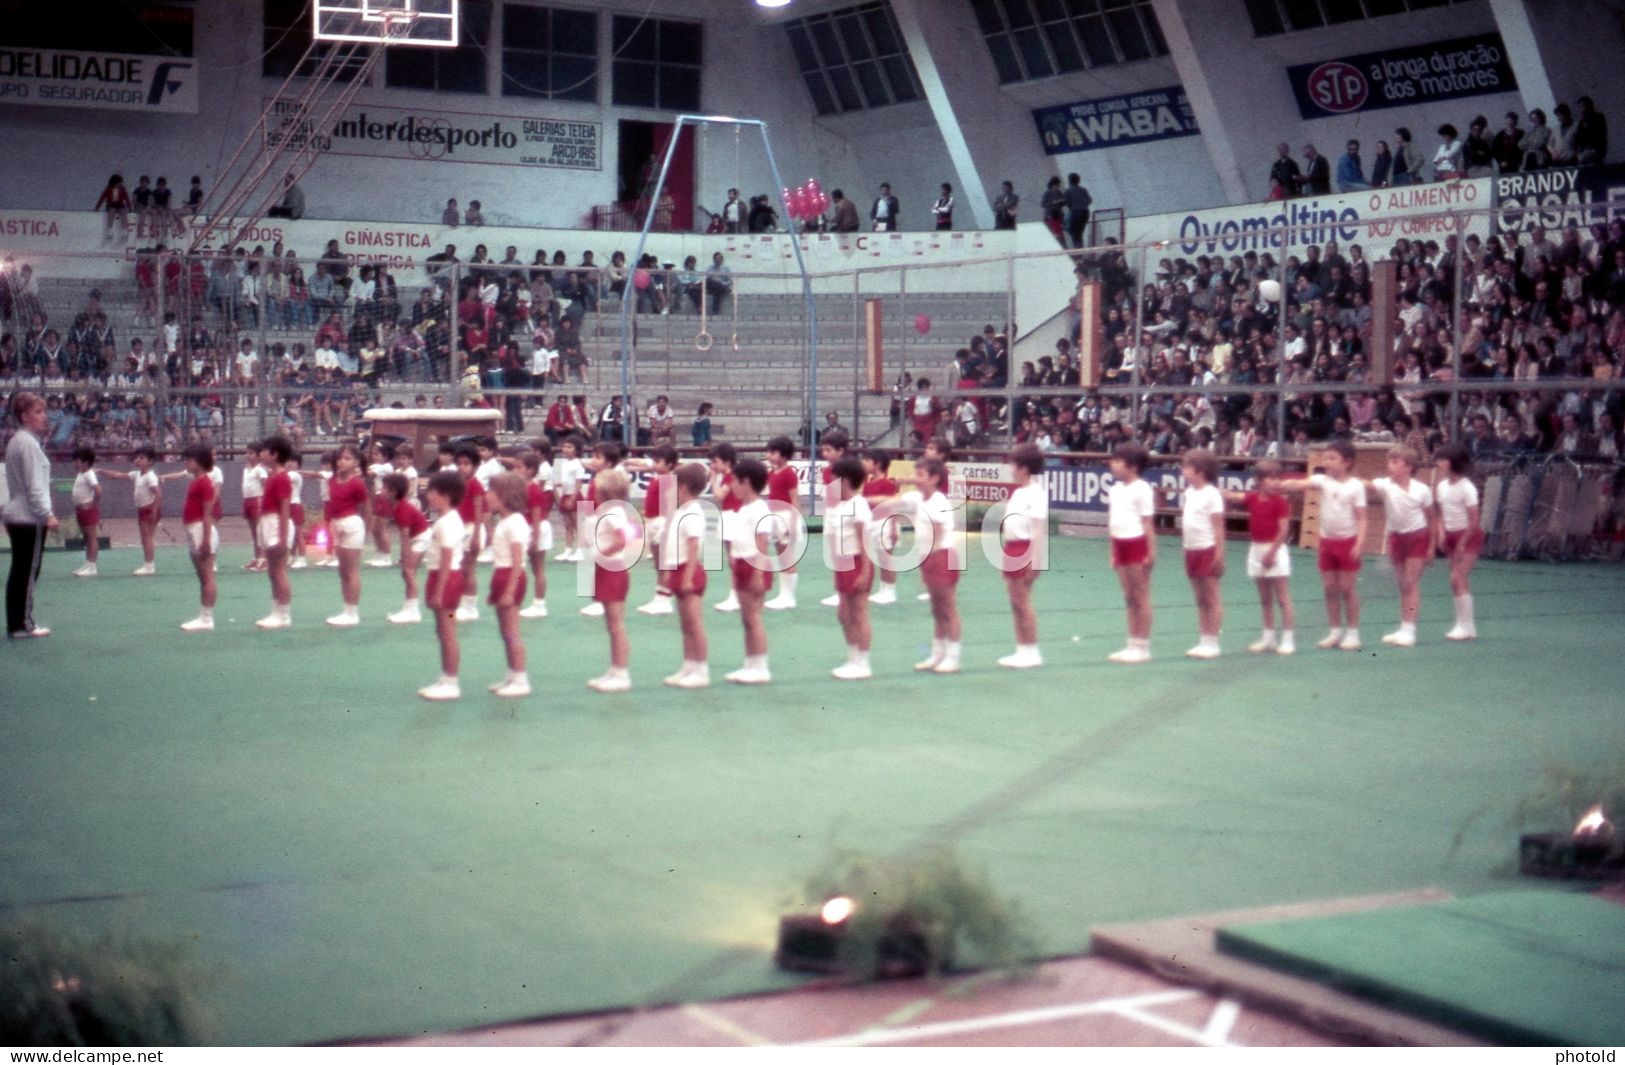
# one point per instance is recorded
(484, 557)
(467, 613)
(782, 602)
(199, 625)
(698, 678)
(930, 663)
(886, 595)
(405, 617)
(1286, 647)
(593, 610)
(381, 563)
(564, 556)
(273, 621)
(1262, 645)
(441, 691)
(729, 605)
(575, 556)
(343, 621)
(1203, 651)
(1331, 640)
(87, 570)
(924, 597)
(1129, 656)
(534, 610)
(1399, 638)
(146, 569)
(513, 689)
(660, 604)
(609, 682)
(1349, 643)
(830, 600)
(1022, 660)
(1460, 632)
(299, 563)
(749, 675)
(949, 664)
(852, 671)
(329, 563)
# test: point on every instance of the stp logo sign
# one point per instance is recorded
(1338, 87)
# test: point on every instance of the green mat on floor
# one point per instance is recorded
(1536, 968)
(359, 862)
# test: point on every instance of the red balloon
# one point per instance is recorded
(641, 278)
(922, 324)
(812, 183)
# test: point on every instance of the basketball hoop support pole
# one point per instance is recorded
(628, 420)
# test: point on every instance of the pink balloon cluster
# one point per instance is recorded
(807, 202)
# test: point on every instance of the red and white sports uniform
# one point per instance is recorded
(740, 530)
(1265, 516)
(1128, 504)
(610, 585)
(845, 527)
(346, 500)
(85, 508)
(219, 480)
(296, 506)
(544, 481)
(877, 490)
(200, 497)
(783, 486)
(654, 517)
(512, 533)
(1201, 505)
(688, 523)
(1026, 517)
(413, 525)
(144, 490)
(1456, 500)
(1342, 510)
(1407, 512)
(446, 551)
(254, 478)
(278, 489)
(937, 570)
(537, 504)
(567, 476)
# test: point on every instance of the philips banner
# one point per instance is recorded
(1116, 121)
(1556, 199)
(1403, 77)
(104, 80)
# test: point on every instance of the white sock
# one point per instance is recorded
(1464, 610)
(282, 610)
(1286, 636)
(939, 648)
(1336, 633)
(790, 580)
(1027, 648)
(1209, 639)
(206, 613)
(1142, 643)
(1352, 634)
(409, 605)
(860, 657)
(755, 661)
(352, 610)
(1408, 628)
(951, 647)
(467, 602)
(447, 678)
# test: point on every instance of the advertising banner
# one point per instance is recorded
(441, 136)
(108, 81)
(1555, 199)
(1116, 121)
(1403, 77)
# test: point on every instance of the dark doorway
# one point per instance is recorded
(642, 147)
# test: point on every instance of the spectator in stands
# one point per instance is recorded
(942, 212)
(885, 212)
(846, 213)
(1508, 146)
(733, 213)
(718, 282)
(570, 353)
(1448, 164)
(700, 429)
(115, 199)
(762, 218)
(612, 419)
(194, 200)
(1590, 141)
(1078, 202)
(1284, 172)
(1536, 142)
(662, 419)
(1407, 169)
(1562, 146)
(1004, 208)
(474, 216)
(1317, 180)
(293, 201)
(1382, 166)
(451, 216)
(1477, 153)
(1351, 171)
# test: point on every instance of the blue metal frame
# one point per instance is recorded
(806, 289)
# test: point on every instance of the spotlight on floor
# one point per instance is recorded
(827, 943)
(1591, 851)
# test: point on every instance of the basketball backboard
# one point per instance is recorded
(425, 23)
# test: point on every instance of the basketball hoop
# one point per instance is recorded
(397, 25)
(426, 23)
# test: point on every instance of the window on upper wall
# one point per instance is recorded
(657, 63)
(1031, 39)
(853, 59)
(287, 37)
(1271, 17)
(460, 69)
(549, 53)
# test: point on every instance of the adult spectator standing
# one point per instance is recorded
(1078, 202)
(1447, 159)
(1407, 160)
(451, 216)
(942, 212)
(1351, 171)
(846, 213)
(733, 213)
(1382, 165)
(1590, 134)
(293, 201)
(27, 513)
(1477, 154)
(1318, 176)
(762, 218)
(1285, 172)
(474, 216)
(1004, 208)
(885, 212)
(1508, 145)
(1537, 142)
(1562, 147)
(1052, 205)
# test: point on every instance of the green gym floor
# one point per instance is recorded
(357, 862)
